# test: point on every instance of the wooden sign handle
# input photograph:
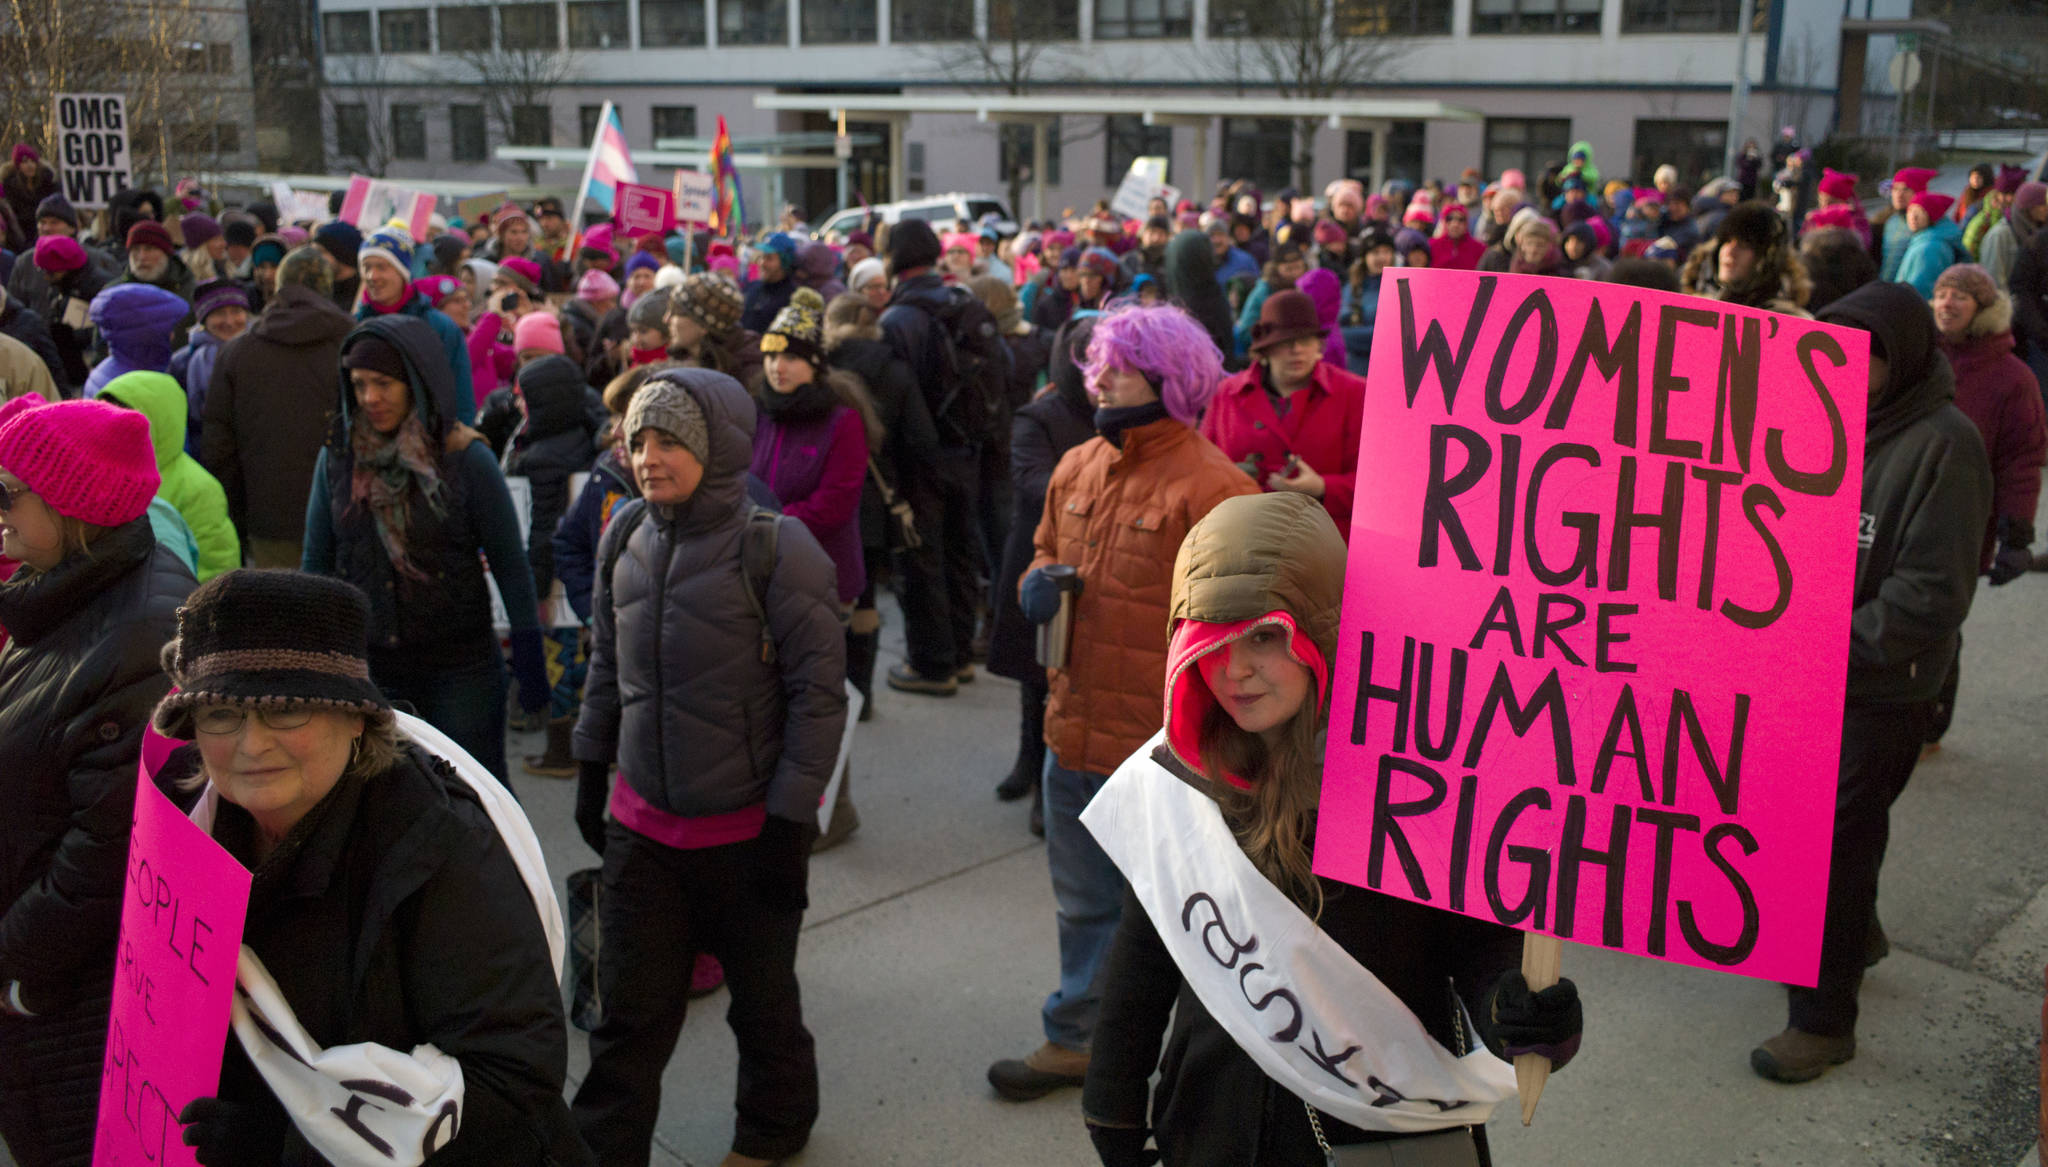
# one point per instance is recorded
(1541, 954)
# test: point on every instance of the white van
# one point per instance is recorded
(944, 208)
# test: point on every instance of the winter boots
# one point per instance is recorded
(557, 762)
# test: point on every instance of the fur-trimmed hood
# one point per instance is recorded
(1993, 320)
(1779, 283)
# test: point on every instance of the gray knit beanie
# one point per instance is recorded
(668, 407)
(648, 310)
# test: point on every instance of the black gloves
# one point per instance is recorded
(1121, 1146)
(2015, 537)
(783, 864)
(228, 1134)
(593, 794)
(1522, 1022)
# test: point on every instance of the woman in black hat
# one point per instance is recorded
(389, 909)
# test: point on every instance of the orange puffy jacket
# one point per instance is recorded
(1118, 516)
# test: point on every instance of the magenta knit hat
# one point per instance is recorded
(86, 459)
(537, 331)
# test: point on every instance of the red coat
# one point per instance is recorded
(1997, 391)
(1322, 427)
(1456, 254)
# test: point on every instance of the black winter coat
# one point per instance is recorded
(1926, 504)
(393, 914)
(555, 438)
(267, 411)
(27, 326)
(48, 297)
(1040, 436)
(1214, 1106)
(78, 679)
(677, 691)
(2028, 281)
(911, 442)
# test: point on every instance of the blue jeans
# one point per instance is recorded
(1090, 892)
(466, 702)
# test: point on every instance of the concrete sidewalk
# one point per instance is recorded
(931, 943)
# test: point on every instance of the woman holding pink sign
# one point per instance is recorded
(93, 601)
(1348, 1031)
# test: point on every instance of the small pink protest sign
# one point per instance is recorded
(644, 210)
(174, 980)
(1596, 616)
(371, 203)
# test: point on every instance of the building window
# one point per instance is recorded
(931, 20)
(1261, 149)
(532, 125)
(346, 32)
(1404, 155)
(1526, 144)
(352, 130)
(408, 132)
(1015, 152)
(1695, 148)
(1685, 15)
(913, 162)
(1036, 20)
(667, 24)
(839, 22)
(403, 30)
(203, 57)
(753, 22)
(1536, 16)
(1126, 136)
(586, 122)
(467, 139)
(674, 121)
(599, 24)
(528, 26)
(464, 29)
(1151, 19)
(1394, 17)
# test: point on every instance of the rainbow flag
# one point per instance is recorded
(611, 163)
(730, 217)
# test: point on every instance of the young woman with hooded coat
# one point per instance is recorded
(403, 502)
(1230, 788)
(94, 601)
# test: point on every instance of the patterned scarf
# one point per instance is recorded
(386, 467)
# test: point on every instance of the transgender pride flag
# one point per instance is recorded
(611, 163)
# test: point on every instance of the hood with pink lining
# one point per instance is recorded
(1252, 561)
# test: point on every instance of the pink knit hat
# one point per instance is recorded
(86, 459)
(538, 331)
(596, 285)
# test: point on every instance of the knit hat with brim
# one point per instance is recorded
(270, 640)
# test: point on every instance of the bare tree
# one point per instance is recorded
(1023, 45)
(1306, 49)
(515, 85)
(1799, 69)
(357, 98)
(162, 55)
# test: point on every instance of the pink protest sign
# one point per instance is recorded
(1596, 616)
(371, 203)
(174, 980)
(644, 210)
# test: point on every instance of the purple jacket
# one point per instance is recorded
(816, 467)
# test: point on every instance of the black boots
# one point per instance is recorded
(557, 762)
(863, 639)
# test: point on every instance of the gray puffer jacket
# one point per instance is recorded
(677, 691)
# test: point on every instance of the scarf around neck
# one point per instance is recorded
(385, 469)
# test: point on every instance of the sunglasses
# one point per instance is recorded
(9, 495)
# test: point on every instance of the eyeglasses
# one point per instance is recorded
(9, 495)
(222, 720)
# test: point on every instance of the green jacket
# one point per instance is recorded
(186, 484)
(1982, 221)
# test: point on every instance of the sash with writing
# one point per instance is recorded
(1314, 1019)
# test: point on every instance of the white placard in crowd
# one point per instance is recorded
(1141, 182)
(92, 147)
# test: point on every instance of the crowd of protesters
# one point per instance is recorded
(283, 449)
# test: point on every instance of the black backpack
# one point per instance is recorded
(757, 559)
(974, 367)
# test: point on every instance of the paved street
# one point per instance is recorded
(930, 944)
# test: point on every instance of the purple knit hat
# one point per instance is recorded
(214, 295)
(86, 459)
(198, 229)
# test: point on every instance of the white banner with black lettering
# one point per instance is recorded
(1313, 1018)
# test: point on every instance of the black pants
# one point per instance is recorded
(466, 701)
(941, 577)
(1944, 710)
(661, 908)
(1880, 746)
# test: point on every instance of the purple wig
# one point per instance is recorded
(1167, 347)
